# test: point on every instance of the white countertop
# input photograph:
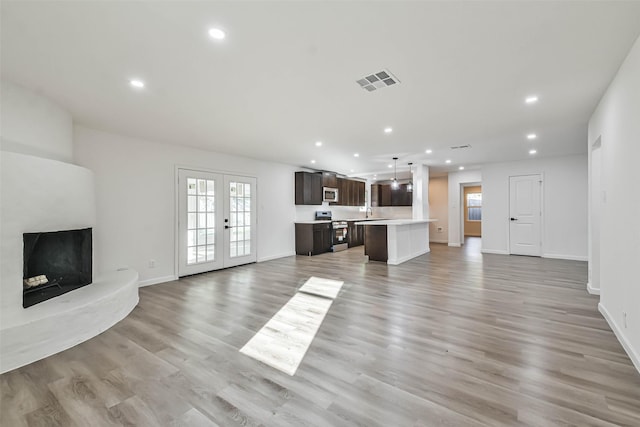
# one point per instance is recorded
(324, 221)
(396, 221)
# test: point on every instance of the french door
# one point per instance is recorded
(216, 221)
(525, 215)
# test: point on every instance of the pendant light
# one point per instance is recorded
(410, 184)
(394, 183)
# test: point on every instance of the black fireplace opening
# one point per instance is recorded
(55, 263)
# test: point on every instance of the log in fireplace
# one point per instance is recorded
(55, 263)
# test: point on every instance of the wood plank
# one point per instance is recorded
(453, 337)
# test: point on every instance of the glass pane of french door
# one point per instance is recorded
(201, 216)
(199, 221)
(240, 218)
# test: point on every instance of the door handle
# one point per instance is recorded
(514, 219)
(227, 227)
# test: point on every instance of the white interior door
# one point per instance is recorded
(216, 221)
(200, 221)
(239, 220)
(525, 215)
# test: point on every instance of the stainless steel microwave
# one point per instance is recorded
(329, 194)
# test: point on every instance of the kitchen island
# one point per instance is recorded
(395, 241)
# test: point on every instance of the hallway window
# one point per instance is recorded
(474, 206)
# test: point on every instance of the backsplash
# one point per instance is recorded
(393, 212)
(307, 213)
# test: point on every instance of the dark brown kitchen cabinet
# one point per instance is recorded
(346, 196)
(308, 188)
(360, 190)
(375, 195)
(313, 239)
(329, 179)
(384, 195)
(401, 197)
(355, 234)
(350, 192)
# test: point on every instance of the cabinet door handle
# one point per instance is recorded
(514, 219)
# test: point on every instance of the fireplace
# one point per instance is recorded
(55, 263)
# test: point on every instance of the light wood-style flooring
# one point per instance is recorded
(450, 338)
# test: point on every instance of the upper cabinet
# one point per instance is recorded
(329, 179)
(384, 195)
(309, 189)
(350, 193)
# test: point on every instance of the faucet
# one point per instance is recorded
(368, 212)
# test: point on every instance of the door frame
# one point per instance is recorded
(461, 204)
(176, 208)
(542, 215)
(465, 210)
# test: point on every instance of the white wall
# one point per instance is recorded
(420, 178)
(564, 205)
(439, 209)
(135, 192)
(456, 179)
(616, 121)
(595, 207)
(32, 124)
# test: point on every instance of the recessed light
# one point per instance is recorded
(531, 99)
(388, 130)
(374, 175)
(351, 170)
(318, 143)
(217, 33)
(447, 161)
(138, 84)
(389, 166)
(429, 151)
(461, 168)
(356, 155)
(533, 151)
(313, 161)
(532, 136)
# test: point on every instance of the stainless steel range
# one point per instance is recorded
(340, 229)
(323, 215)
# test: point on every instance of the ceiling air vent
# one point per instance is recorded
(460, 147)
(378, 80)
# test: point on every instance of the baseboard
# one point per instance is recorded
(494, 251)
(454, 245)
(568, 257)
(406, 258)
(156, 281)
(438, 241)
(592, 290)
(633, 355)
(272, 257)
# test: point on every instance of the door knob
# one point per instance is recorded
(514, 219)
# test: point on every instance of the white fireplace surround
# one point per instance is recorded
(40, 192)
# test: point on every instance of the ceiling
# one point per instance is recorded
(285, 76)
